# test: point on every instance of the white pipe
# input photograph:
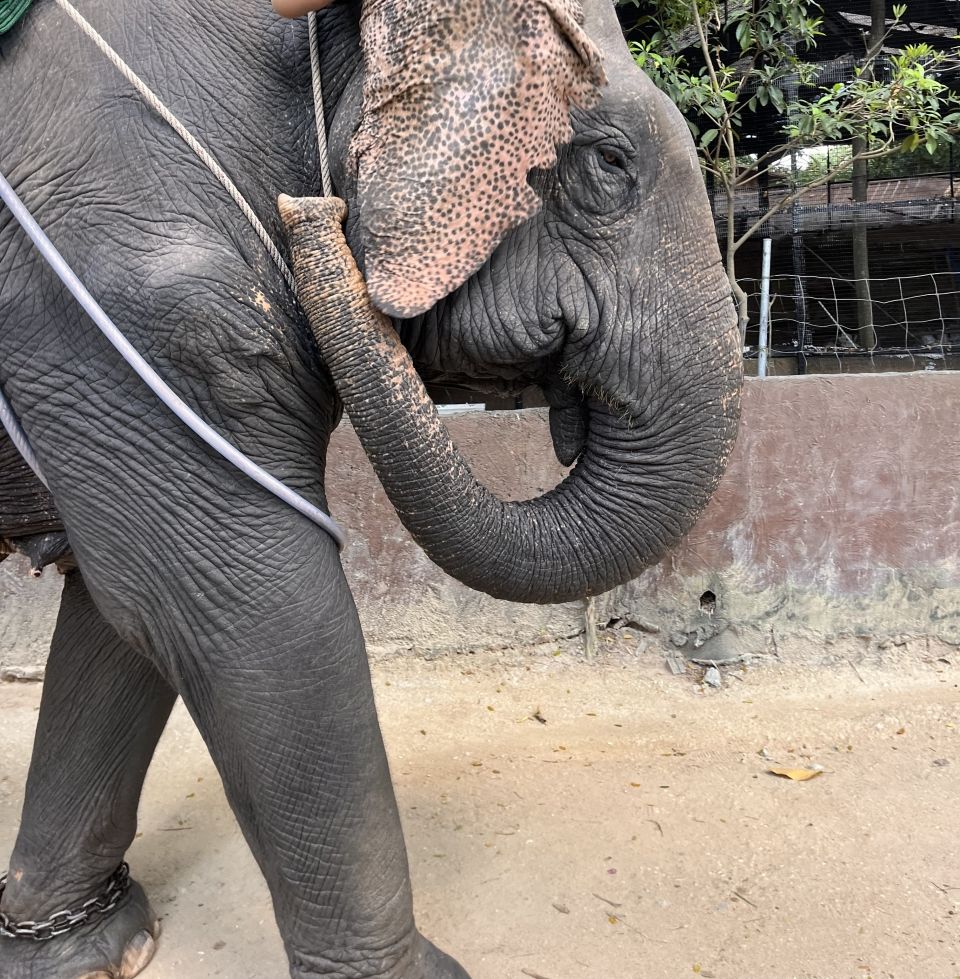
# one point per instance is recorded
(763, 345)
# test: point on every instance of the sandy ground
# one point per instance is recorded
(636, 833)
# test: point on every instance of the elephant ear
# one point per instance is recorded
(461, 99)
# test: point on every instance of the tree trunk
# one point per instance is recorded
(861, 255)
(739, 296)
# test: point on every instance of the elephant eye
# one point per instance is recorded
(611, 159)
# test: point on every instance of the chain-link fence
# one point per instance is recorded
(911, 304)
(816, 316)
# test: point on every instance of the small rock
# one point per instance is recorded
(15, 674)
(940, 762)
(712, 677)
(675, 664)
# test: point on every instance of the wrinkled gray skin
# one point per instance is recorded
(192, 581)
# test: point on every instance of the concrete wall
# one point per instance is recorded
(28, 610)
(839, 516)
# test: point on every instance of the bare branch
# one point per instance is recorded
(890, 146)
(725, 125)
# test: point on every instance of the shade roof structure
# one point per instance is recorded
(933, 22)
(839, 49)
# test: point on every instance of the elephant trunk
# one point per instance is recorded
(637, 488)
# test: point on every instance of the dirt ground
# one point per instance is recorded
(608, 821)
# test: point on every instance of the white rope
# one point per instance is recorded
(9, 420)
(324, 156)
(158, 106)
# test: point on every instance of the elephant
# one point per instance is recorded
(598, 279)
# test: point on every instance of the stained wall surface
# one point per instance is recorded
(838, 516)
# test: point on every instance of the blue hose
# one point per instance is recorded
(147, 374)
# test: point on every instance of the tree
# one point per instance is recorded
(723, 61)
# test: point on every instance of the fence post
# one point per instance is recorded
(763, 347)
(952, 195)
(829, 195)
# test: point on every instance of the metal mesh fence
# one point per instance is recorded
(817, 316)
(909, 221)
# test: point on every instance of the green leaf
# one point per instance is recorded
(758, 54)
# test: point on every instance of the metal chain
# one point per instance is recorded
(323, 154)
(61, 922)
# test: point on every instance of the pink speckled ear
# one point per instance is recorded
(461, 99)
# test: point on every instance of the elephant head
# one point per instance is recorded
(610, 295)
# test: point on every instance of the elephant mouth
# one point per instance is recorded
(567, 394)
(568, 403)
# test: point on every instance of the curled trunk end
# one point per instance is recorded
(635, 491)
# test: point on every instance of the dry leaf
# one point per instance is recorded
(797, 774)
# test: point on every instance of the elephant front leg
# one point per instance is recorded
(284, 701)
(102, 711)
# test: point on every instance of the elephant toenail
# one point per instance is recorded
(138, 953)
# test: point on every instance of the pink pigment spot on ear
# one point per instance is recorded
(462, 98)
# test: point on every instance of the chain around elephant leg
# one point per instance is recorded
(69, 909)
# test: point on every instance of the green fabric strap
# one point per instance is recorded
(10, 12)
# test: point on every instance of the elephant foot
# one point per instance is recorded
(439, 965)
(425, 961)
(116, 946)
